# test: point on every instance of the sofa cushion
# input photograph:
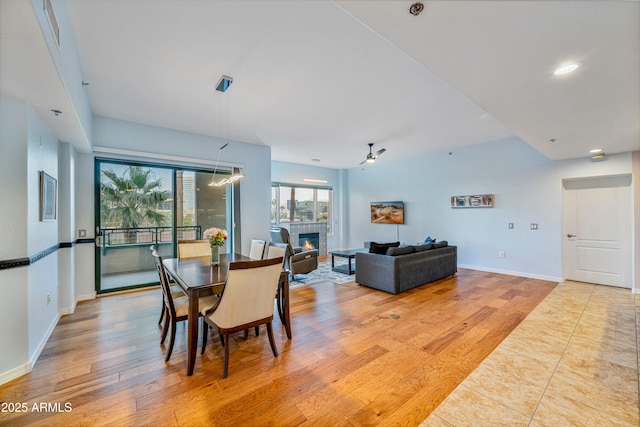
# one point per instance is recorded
(400, 250)
(381, 248)
(423, 247)
(441, 244)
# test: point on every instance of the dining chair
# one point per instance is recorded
(193, 248)
(176, 308)
(175, 292)
(246, 301)
(276, 250)
(257, 248)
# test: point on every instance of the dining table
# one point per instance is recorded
(198, 277)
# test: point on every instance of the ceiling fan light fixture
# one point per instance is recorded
(566, 69)
(371, 160)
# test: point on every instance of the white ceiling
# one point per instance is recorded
(322, 79)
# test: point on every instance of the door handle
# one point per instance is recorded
(571, 235)
(99, 241)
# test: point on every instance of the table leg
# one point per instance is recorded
(349, 261)
(192, 331)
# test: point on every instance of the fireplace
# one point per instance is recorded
(309, 241)
(317, 228)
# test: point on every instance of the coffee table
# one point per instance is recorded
(350, 255)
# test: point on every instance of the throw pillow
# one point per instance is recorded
(400, 250)
(381, 248)
(429, 240)
(423, 247)
(441, 244)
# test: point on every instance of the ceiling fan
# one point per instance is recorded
(372, 157)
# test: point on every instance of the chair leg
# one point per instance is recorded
(221, 339)
(172, 340)
(164, 309)
(226, 356)
(271, 341)
(205, 335)
(165, 329)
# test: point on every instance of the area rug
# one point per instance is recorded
(322, 274)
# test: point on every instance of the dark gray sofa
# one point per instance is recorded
(403, 268)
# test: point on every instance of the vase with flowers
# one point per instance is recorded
(216, 237)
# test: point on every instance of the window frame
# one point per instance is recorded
(275, 213)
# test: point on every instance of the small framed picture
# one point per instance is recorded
(48, 197)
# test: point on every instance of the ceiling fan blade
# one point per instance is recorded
(380, 151)
(362, 162)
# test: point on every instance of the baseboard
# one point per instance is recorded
(43, 341)
(5, 377)
(69, 310)
(21, 370)
(512, 273)
(87, 297)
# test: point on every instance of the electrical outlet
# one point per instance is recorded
(48, 299)
(501, 254)
(82, 233)
(510, 226)
(534, 226)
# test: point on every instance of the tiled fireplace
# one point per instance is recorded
(296, 229)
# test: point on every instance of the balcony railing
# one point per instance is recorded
(116, 237)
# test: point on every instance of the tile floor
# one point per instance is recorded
(572, 362)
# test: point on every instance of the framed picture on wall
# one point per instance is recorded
(472, 201)
(48, 197)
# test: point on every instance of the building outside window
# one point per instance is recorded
(298, 203)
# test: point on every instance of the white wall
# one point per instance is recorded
(13, 244)
(255, 193)
(66, 227)
(27, 147)
(527, 188)
(292, 173)
(42, 147)
(85, 219)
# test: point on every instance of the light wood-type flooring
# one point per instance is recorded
(358, 357)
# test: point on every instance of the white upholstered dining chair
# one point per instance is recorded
(193, 248)
(246, 301)
(257, 248)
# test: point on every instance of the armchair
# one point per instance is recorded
(298, 261)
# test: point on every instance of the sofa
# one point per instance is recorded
(393, 268)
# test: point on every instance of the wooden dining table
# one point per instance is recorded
(198, 277)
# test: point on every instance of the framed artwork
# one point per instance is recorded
(48, 197)
(472, 201)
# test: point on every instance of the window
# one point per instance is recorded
(300, 204)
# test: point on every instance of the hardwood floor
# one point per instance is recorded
(358, 357)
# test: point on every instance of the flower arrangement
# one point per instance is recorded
(216, 236)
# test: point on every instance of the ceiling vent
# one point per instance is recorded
(53, 22)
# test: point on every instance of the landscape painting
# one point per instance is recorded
(387, 212)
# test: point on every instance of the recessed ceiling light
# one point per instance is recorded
(596, 150)
(566, 69)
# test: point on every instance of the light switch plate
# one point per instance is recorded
(534, 226)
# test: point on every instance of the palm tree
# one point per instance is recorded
(131, 200)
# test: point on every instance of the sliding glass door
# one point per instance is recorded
(143, 207)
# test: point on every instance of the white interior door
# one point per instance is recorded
(597, 230)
